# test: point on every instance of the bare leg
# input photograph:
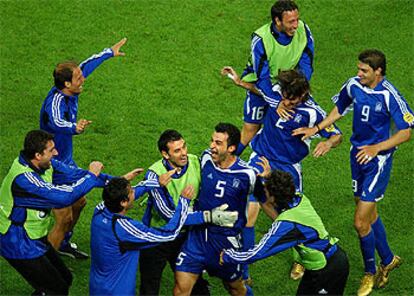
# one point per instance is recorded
(184, 283)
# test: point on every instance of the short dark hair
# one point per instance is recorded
(294, 84)
(35, 142)
(374, 58)
(282, 6)
(64, 72)
(281, 186)
(167, 136)
(114, 193)
(232, 131)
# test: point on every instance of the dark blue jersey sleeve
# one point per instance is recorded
(305, 64)
(93, 62)
(132, 231)
(343, 100)
(33, 192)
(280, 237)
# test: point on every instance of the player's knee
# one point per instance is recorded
(180, 289)
(361, 226)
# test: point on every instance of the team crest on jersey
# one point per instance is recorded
(236, 183)
(408, 118)
(378, 107)
(210, 176)
(298, 118)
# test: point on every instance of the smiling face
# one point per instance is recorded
(220, 151)
(76, 85)
(368, 76)
(177, 154)
(44, 158)
(289, 22)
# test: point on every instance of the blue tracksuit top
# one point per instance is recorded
(59, 112)
(30, 191)
(115, 244)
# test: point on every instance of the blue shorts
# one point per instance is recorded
(201, 251)
(254, 108)
(370, 180)
(294, 169)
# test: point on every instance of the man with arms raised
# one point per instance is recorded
(59, 116)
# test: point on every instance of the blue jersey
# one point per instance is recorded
(115, 244)
(373, 111)
(275, 140)
(59, 112)
(260, 64)
(225, 186)
(30, 191)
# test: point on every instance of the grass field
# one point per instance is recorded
(170, 79)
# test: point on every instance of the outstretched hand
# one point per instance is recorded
(307, 132)
(231, 73)
(116, 48)
(264, 163)
(132, 174)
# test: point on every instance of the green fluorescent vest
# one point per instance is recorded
(37, 222)
(192, 176)
(280, 57)
(306, 215)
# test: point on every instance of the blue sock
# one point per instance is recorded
(381, 243)
(249, 290)
(240, 149)
(66, 240)
(368, 251)
(248, 242)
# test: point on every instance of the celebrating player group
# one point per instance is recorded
(200, 211)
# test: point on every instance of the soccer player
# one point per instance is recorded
(58, 116)
(173, 172)
(284, 43)
(284, 151)
(297, 225)
(116, 239)
(27, 194)
(225, 179)
(376, 103)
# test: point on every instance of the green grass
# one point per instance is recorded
(170, 79)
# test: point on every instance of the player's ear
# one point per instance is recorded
(165, 155)
(378, 72)
(232, 148)
(68, 84)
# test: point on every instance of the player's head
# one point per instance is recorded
(224, 141)
(39, 148)
(294, 87)
(371, 67)
(118, 195)
(173, 148)
(69, 77)
(279, 189)
(285, 15)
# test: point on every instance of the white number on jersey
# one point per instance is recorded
(257, 113)
(365, 113)
(278, 123)
(180, 258)
(220, 187)
(354, 185)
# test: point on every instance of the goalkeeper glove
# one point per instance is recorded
(220, 216)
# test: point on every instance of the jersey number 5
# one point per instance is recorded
(220, 187)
